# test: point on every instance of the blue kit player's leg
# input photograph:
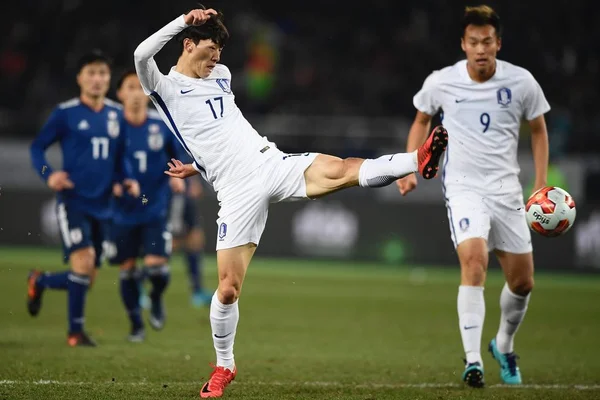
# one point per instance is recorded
(157, 242)
(128, 241)
(194, 252)
(38, 281)
(78, 244)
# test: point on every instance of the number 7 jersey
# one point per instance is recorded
(202, 114)
(483, 121)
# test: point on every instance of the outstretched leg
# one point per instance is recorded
(328, 174)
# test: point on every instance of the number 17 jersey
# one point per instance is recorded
(483, 122)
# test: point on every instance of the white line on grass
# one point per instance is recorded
(312, 384)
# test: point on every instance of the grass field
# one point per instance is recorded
(308, 330)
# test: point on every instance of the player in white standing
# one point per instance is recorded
(483, 101)
(247, 171)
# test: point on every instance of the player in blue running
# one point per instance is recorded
(140, 226)
(88, 129)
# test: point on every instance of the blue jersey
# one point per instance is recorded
(92, 150)
(148, 149)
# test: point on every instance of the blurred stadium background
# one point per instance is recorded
(328, 77)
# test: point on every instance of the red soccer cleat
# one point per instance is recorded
(218, 381)
(430, 152)
(80, 339)
(34, 293)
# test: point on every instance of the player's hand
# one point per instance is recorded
(132, 187)
(177, 169)
(177, 185)
(117, 190)
(407, 184)
(198, 16)
(537, 186)
(59, 181)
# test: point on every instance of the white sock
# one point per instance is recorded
(513, 309)
(387, 169)
(223, 321)
(471, 313)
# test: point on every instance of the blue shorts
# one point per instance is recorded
(133, 241)
(79, 230)
(183, 216)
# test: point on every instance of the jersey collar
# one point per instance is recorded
(464, 74)
(183, 78)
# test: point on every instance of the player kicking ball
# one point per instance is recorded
(246, 170)
(483, 101)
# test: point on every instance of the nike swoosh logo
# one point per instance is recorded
(224, 336)
(186, 91)
(466, 328)
(459, 101)
(511, 322)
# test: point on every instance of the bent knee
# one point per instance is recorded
(229, 291)
(127, 265)
(474, 267)
(155, 261)
(83, 261)
(521, 286)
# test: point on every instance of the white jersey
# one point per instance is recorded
(483, 122)
(202, 114)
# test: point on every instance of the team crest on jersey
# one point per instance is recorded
(224, 84)
(112, 115)
(464, 224)
(113, 127)
(155, 139)
(504, 96)
(222, 231)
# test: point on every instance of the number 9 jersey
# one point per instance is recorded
(483, 120)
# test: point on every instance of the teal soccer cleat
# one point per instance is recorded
(200, 299)
(473, 375)
(509, 372)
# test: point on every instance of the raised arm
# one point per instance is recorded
(143, 56)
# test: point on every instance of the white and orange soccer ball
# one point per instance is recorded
(550, 211)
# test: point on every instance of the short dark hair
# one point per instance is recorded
(480, 16)
(127, 73)
(94, 56)
(213, 29)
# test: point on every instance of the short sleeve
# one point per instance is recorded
(534, 101)
(427, 99)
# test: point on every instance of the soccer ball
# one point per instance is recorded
(550, 211)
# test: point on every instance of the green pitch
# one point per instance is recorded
(308, 330)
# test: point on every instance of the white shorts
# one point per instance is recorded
(244, 205)
(501, 223)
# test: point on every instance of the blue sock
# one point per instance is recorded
(77, 286)
(159, 276)
(194, 264)
(130, 294)
(54, 280)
